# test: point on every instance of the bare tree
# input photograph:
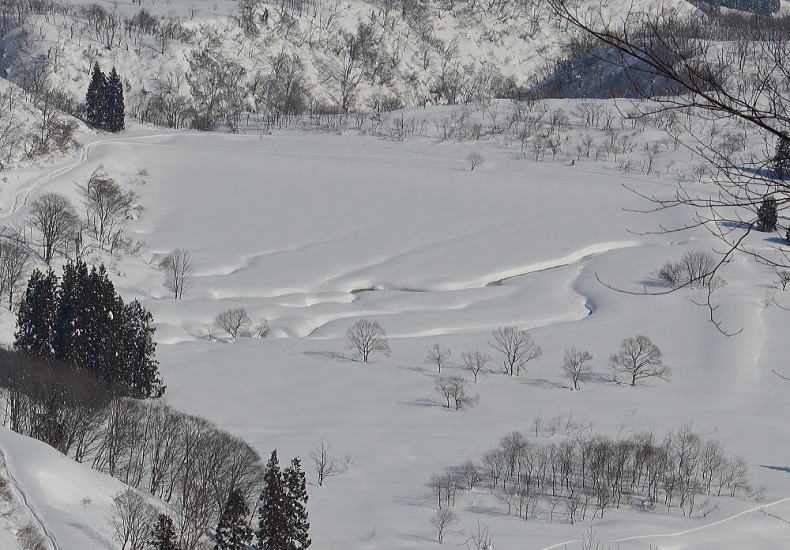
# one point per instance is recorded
(481, 539)
(367, 337)
(453, 390)
(14, 265)
(473, 160)
(131, 519)
(179, 269)
(437, 356)
(784, 278)
(262, 329)
(54, 218)
(639, 358)
(695, 268)
(517, 346)
(475, 362)
(106, 205)
(443, 520)
(576, 366)
(327, 466)
(233, 320)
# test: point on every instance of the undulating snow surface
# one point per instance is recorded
(314, 231)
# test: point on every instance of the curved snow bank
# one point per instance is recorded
(69, 501)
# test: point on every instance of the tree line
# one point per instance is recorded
(585, 475)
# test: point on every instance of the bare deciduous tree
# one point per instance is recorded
(517, 346)
(784, 278)
(233, 320)
(453, 389)
(481, 539)
(106, 205)
(437, 356)
(327, 466)
(179, 269)
(639, 358)
(54, 218)
(473, 160)
(14, 265)
(576, 365)
(443, 520)
(475, 362)
(366, 337)
(131, 519)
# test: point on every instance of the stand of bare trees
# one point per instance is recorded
(583, 476)
(183, 460)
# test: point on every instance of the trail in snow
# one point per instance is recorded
(758, 508)
(31, 510)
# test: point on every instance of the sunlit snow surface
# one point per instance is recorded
(313, 231)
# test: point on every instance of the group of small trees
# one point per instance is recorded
(104, 107)
(58, 230)
(583, 476)
(81, 321)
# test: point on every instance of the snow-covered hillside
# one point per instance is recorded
(314, 231)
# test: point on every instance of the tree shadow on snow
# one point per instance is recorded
(421, 402)
(543, 383)
(331, 356)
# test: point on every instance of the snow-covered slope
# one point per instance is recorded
(68, 503)
(295, 227)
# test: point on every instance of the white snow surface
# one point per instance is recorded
(294, 227)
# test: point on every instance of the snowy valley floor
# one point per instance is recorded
(314, 231)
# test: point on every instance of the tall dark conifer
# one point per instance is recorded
(273, 526)
(234, 531)
(95, 99)
(114, 103)
(296, 506)
(767, 215)
(138, 351)
(782, 159)
(163, 534)
(36, 315)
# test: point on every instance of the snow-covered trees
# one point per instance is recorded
(104, 105)
(639, 358)
(296, 506)
(576, 366)
(282, 509)
(163, 534)
(178, 268)
(233, 531)
(366, 337)
(83, 322)
(517, 346)
(781, 164)
(95, 98)
(767, 214)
